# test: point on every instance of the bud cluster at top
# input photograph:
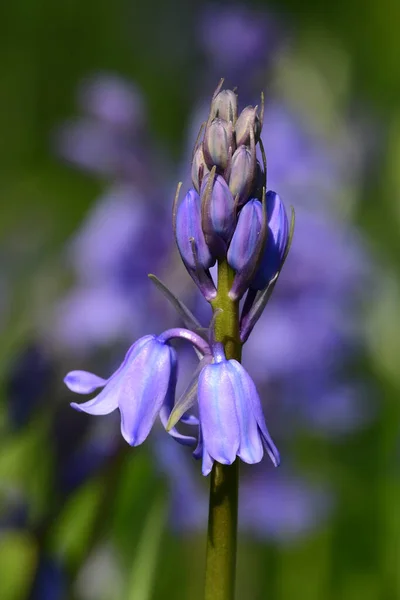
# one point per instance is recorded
(228, 215)
(229, 145)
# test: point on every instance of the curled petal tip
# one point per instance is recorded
(83, 382)
(129, 439)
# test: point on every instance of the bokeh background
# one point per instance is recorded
(100, 105)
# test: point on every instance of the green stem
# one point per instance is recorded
(224, 484)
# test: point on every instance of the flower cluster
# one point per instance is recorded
(229, 218)
(227, 215)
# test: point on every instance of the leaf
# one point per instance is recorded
(18, 558)
(143, 569)
(186, 315)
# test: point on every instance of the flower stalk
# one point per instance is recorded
(224, 481)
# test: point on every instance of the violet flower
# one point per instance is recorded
(142, 388)
(231, 417)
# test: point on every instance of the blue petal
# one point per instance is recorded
(103, 404)
(132, 353)
(218, 418)
(83, 382)
(107, 401)
(207, 463)
(251, 449)
(268, 443)
(144, 389)
(186, 440)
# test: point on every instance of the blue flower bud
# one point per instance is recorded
(218, 143)
(248, 119)
(242, 173)
(217, 214)
(243, 245)
(199, 168)
(278, 232)
(188, 226)
(224, 106)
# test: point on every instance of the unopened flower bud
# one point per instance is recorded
(242, 174)
(188, 226)
(248, 119)
(217, 214)
(278, 232)
(244, 241)
(218, 143)
(224, 106)
(199, 168)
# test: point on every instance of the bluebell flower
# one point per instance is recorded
(231, 418)
(142, 388)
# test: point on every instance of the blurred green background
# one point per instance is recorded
(47, 49)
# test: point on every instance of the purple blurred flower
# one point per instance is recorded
(50, 581)
(128, 216)
(112, 99)
(237, 39)
(28, 381)
(188, 498)
(281, 505)
(106, 140)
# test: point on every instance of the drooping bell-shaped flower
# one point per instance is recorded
(231, 419)
(278, 233)
(142, 388)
